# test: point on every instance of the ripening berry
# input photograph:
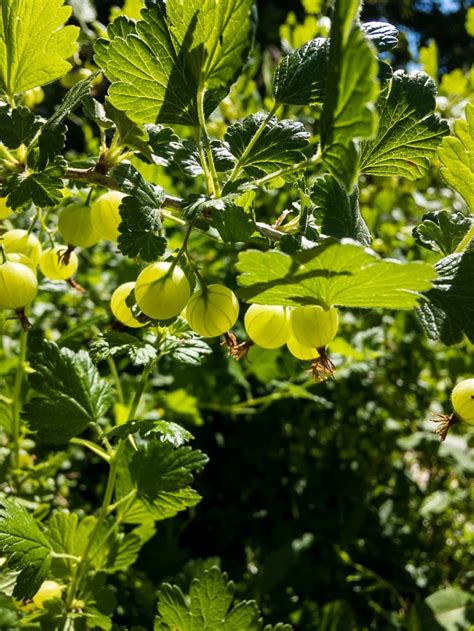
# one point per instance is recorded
(161, 291)
(314, 326)
(212, 311)
(53, 266)
(305, 353)
(20, 241)
(267, 325)
(47, 591)
(462, 398)
(105, 215)
(119, 306)
(76, 227)
(18, 285)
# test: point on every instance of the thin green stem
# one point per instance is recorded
(206, 141)
(203, 160)
(19, 376)
(298, 166)
(466, 241)
(114, 459)
(250, 146)
(92, 446)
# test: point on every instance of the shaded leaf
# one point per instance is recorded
(140, 214)
(209, 608)
(116, 344)
(409, 133)
(25, 546)
(442, 231)
(383, 36)
(450, 311)
(43, 188)
(70, 394)
(280, 144)
(18, 126)
(337, 212)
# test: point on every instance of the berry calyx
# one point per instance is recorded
(162, 290)
(105, 215)
(20, 241)
(120, 309)
(75, 225)
(212, 311)
(462, 398)
(53, 265)
(267, 326)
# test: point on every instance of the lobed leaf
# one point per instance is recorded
(34, 43)
(280, 144)
(449, 312)
(70, 393)
(334, 273)
(457, 157)
(24, 544)
(409, 133)
(337, 212)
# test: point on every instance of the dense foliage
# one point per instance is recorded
(236, 293)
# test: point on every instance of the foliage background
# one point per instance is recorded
(333, 505)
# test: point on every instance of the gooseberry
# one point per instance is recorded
(20, 241)
(212, 311)
(5, 211)
(33, 97)
(462, 398)
(47, 591)
(314, 326)
(76, 227)
(162, 290)
(18, 285)
(267, 325)
(119, 306)
(305, 353)
(105, 215)
(53, 266)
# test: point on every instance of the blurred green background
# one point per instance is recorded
(333, 505)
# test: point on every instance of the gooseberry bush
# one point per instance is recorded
(155, 98)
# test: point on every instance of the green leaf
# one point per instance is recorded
(163, 475)
(43, 188)
(209, 608)
(234, 224)
(175, 50)
(452, 609)
(140, 214)
(352, 85)
(25, 546)
(383, 36)
(300, 77)
(183, 345)
(18, 126)
(337, 212)
(70, 394)
(342, 160)
(280, 144)
(115, 344)
(450, 310)
(34, 44)
(164, 430)
(442, 231)
(409, 133)
(164, 144)
(187, 157)
(335, 273)
(457, 157)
